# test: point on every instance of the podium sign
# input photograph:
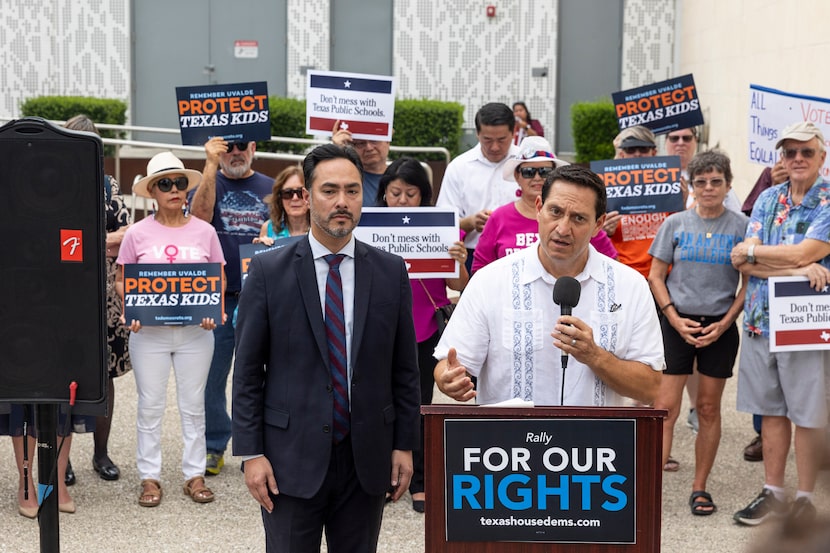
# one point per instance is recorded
(533, 480)
(540, 480)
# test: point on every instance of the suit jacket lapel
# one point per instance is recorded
(363, 272)
(307, 283)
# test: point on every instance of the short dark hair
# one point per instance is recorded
(579, 176)
(411, 172)
(495, 114)
(708, 161)
(326, 152)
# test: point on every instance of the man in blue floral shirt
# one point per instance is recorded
(788, 234)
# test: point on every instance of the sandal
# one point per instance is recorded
(150, 493)
(671, 465)
(197, 491)
(702, 508)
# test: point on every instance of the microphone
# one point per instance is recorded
(566, 292)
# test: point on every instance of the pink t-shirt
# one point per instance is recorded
(151, 242)
(508, 231)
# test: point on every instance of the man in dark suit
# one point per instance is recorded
(311, 461)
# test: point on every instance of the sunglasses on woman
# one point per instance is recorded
(529, 172)
(288, 193)
(167, 184)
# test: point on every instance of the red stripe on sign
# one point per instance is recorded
(802, 337)
(431, 265)
(358, 127)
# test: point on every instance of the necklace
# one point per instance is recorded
(711, 225)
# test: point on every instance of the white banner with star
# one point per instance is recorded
(799, 316)
(421, 235)
(364, 104)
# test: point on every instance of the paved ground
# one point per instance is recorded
(110, 520)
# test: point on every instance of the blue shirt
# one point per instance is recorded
(777, 221)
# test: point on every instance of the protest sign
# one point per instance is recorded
(662, 107)
(799, 316)
(540, 480)
(236, 112)
(248, 251)
(771, 111)
(421, 235)
(173, 294)
(642, 184)
(364, 104)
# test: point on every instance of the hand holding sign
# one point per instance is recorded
(340, 134)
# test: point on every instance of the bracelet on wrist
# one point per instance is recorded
(663, 309)
(750, 254)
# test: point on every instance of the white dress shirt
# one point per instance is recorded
(502, 325)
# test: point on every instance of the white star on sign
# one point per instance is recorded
(824, 290)
(347, 84)
(405, 220)
(825, 336)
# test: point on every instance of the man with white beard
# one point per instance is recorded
(230, 197)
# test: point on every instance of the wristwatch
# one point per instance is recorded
(750, 254)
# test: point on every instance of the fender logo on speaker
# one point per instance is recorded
(72, 245)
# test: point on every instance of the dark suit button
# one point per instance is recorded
(326, 428)
(328, 387)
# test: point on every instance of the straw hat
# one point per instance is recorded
(161, 165)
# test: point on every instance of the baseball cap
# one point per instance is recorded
(802, 132)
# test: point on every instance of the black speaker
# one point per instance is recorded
(52, 277)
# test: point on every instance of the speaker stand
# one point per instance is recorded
(46, 423)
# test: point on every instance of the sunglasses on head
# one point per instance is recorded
(241, 146)
(806, 153)
(678, 137)
(166, 184)
(530, 172)
(288, 193)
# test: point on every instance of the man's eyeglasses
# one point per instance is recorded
(673, 138)
(288, 193)
(806, 153)
(631, 150)
(716, 182)
(241, 146)
(167, 184)
(530, 172)
(360, 144)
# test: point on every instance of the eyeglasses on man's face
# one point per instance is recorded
(241, 146)
(806, 153)
(674, 138)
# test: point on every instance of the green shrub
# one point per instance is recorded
(417, 123)
(62, 108)
(287, 119)
(428, 123)
(594, 126)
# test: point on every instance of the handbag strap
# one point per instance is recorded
(432, 301)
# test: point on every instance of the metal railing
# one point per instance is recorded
(119, 143)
